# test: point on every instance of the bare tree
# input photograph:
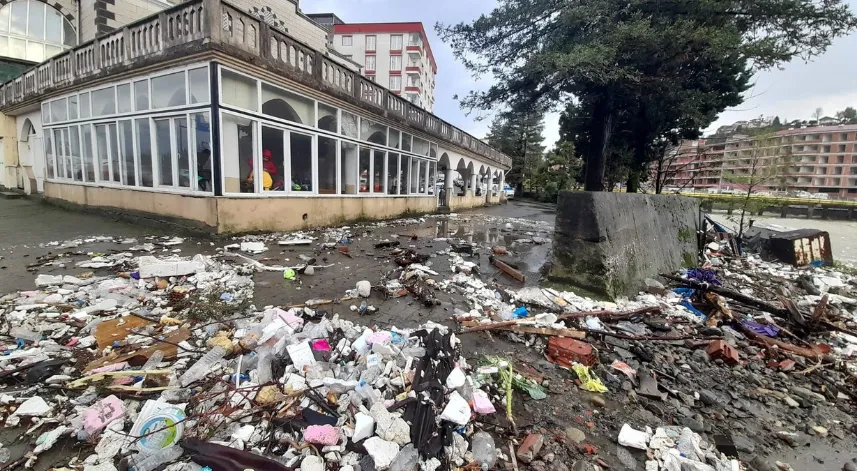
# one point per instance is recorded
(817, 114)
(668, 165)
(768, 163)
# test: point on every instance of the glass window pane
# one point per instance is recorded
(198, 80)
(181, 137)
(59, 110)
(327, 117)
(164, 152)
(36, 21)
(423, 177)
(392, 173)
(349, 124)
(126, 149)
(46, 113)
(49, 155)
(168, 90)
(84, 105)
(4, 19)
(101, 152)
(69, 34)
(326, 165)
(420, 147)
(53, 27)
(4, 46)
(19, 18)
(285, 105)
(238, 90)
(404, 173)
(123, 95)
(144, 150)
(76, 165)
(433, 152)
(72, 107)
(300, 147)
(104, 102)
(237, 150)
(379, 175)
(432, 178)
(365, 154)
(18, 48)
(373, 132)
(60, 152)
(115, 161)
(273, 159)
(35, 51)
(394, 138)
(406, 141)
(86, 151)
(141, 95)
(414, 174)
(51, 51)
(202, 146)
(348, 168)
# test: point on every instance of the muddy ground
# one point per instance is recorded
(26, 226)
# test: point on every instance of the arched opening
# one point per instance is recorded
(27, 130)
(378, 137)
(328, 123)
(469, 180)
(34, 30)
(280, 109)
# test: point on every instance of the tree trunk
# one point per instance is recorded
(602, 126)
(659, 186)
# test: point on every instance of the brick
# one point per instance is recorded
(565, 351)
(530, 447)
(722, 350)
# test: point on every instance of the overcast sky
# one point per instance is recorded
(791, 93)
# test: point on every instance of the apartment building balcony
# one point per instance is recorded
(413, 69)
(412, 88)
(171, 115)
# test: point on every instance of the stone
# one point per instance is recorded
(791, 402)
(364, 288)
(312, 463)
(807, 394)
(601, 250)
(699, 356)
(820, 431)
(691, 423)
(575, 434)
(530, 447)
(364, 427)
(707, 397)
(390, 427)
(382, 452)
(597, 401)
(309, 270)
(743, 444)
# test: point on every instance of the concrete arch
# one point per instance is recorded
(56, 6)
(27, 129)
(280, 109)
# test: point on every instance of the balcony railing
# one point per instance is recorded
(196, 25)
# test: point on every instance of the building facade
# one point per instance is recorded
(210, 115)
(820, 159)
(395, 55)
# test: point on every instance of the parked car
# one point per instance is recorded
(510, 192)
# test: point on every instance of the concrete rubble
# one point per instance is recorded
(146, 358)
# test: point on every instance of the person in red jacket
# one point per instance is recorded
(269, 166)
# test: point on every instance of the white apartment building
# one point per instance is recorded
(395, 55)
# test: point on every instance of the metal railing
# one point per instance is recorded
(207, 22)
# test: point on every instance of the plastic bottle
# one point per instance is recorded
(367, 393)
(202, 367)
(25, 333)
(406, 460)
(484, 450)
(152, 461)
(263, 369)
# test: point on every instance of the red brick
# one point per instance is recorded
(722, 350)
(565, 351)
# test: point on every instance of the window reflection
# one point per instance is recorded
(34, 31)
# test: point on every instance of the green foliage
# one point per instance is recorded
(557, 171)
(518, 134)
(641, 71)
(848, 115)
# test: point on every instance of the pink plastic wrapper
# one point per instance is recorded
(102, 413)
(321, 434)
(320, 345)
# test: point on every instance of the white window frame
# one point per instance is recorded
(394, 38)
(374, 59)
(396, 78)
(347, 40)
(371, 38)
(396, 63)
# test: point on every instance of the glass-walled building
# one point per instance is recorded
(189, 127)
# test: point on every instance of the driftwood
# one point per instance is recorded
(474, 326)
(507, 269)
(603, 314)
(728, 293)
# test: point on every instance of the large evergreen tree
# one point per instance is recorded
(519, 134)
(665, 68)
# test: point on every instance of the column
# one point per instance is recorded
(473, 183)
(448, 187)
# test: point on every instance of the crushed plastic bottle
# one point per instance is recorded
(152, 461)
(484, 450)
(406, 460)
(25, 333)
(263, 369)
(202, 367)
(367, 393)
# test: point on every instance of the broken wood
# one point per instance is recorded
(740, 297)
(507, 269)
(603, 314)
(474, 326)
(139, 356)
(654, 338)
(812, 353)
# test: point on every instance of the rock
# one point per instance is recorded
(850, 465)
(406, 460)
(700, 356)
(626, 458)
(597, 401)
(309, 271)
(575, 434)
(655, 287)
(791, 402)
(321, 434)
(807, 394)
(759, 464)
(790, 438)
(581, 465)
(820, 431)
(707, 397)
(382, 452)
(530, 447)
(312, 463)
(390, 427)
(364, 427)
(32, 407)
(364, 288)
(743, 444)
(691, 423)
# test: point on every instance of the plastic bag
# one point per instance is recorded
(587, 381)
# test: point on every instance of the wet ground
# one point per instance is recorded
(26, 227)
